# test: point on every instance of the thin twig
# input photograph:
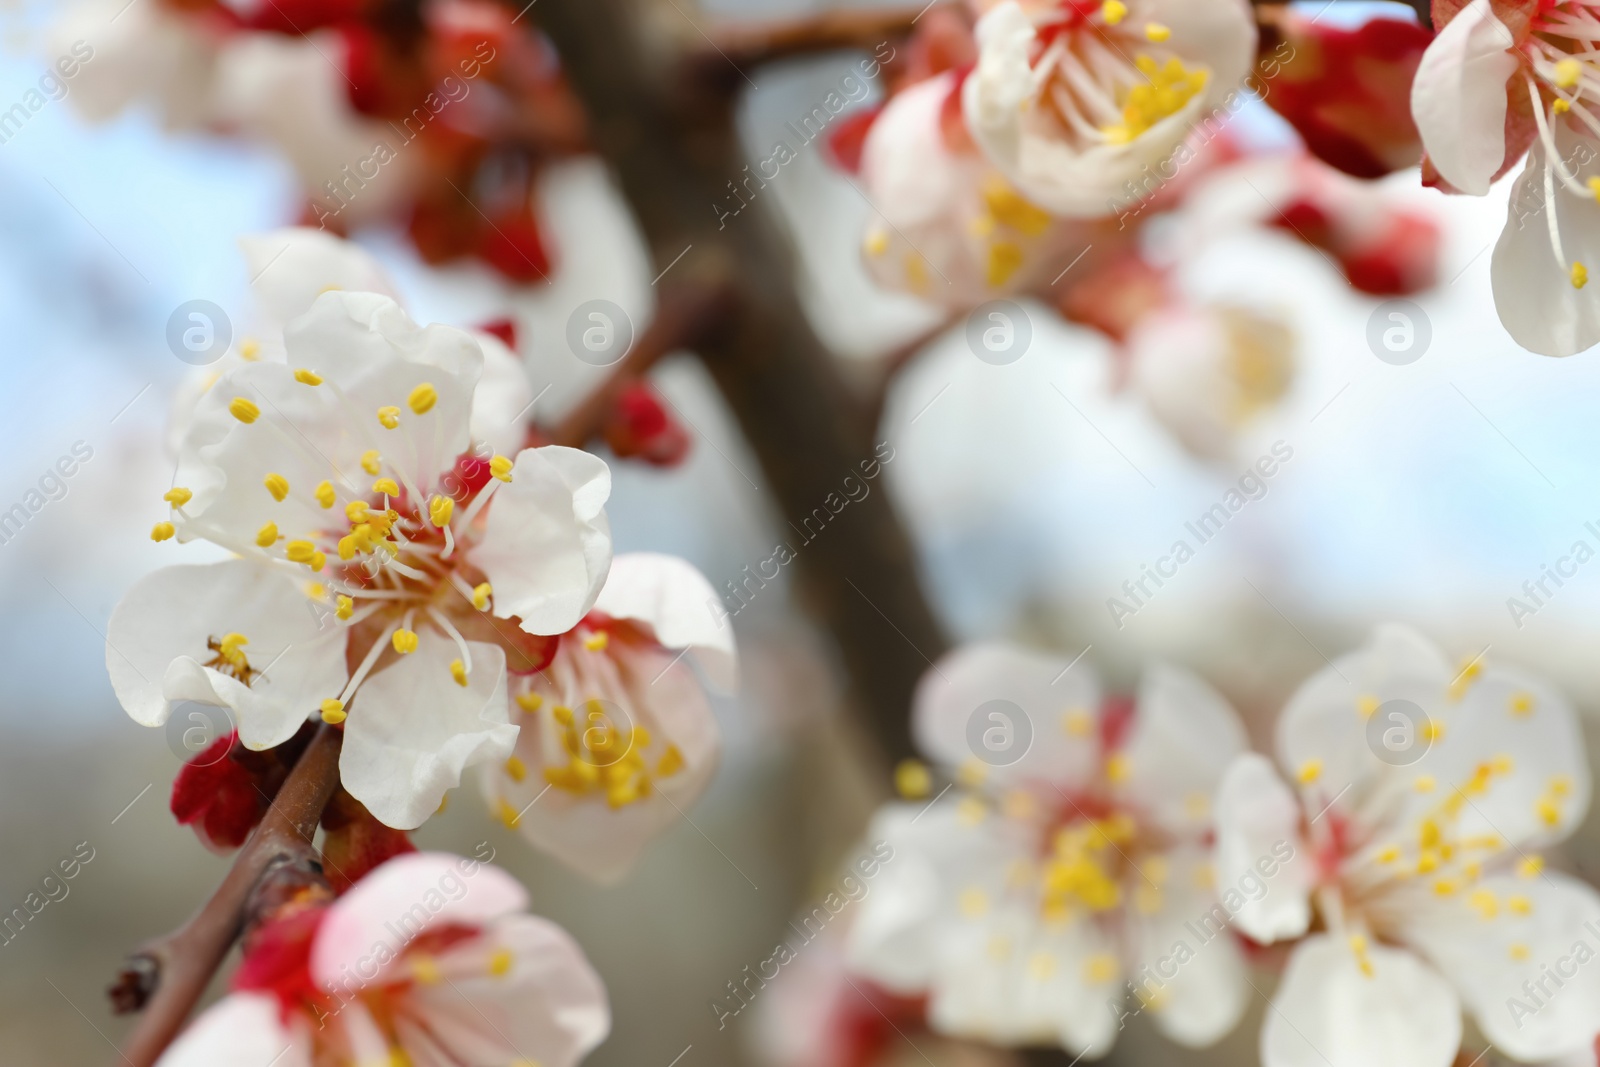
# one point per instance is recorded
(167, 976)
(685, 316)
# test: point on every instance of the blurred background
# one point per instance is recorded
(1427, 493)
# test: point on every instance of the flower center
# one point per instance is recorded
(1092, 89)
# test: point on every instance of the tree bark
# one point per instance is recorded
(675, 151)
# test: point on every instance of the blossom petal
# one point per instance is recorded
(156, 647)
(1459, 97)
(966, 714)
(412, 730)
(504, 397)
(1533, 291)
(1258, 842)
(549, 1007)
(399, 900)
(1328, 1013)
(547, 545)
(289, 268)
(644, 688)
(1324, 725)
(242, 1030)
(675, 600)
(1501, 964)
(1010, 979)
(931, 858)
(1183, 738)
(1187, 965)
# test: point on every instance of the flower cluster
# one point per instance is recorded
(1096, 859)
(385, 114)
(1025, 154)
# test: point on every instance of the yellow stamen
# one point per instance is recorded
(1309, 771)
(405, 642)
(1113, 11)
(1580, 275)
(516, 769)
(1568, 72)
(1519, 904)
(306, 377)
(1594, 187)
(1117, 768)
(300, 551)
(243, 410)
(439, 510)
(1560, 106)
(333, 711)
(325, 494)
(370, 461)
(1531, 866)
(500, 467)
(912, 780)
(267, 536)
(1156, 32)
(1358, 945)
(249, 349)
(530, 702)
(386, 486)
(500, 963)
(162, 531)
(480, 596)
(177, 496)
(597, 641)
(277, 485)
(458, 671)
(422, 398)
(506, 813)
(389, 417)
(346, 607)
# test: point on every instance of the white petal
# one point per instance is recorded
(1009, 979)
(547, 546)
(1525, 727)
(1016, 714)
(1459, 97)
(641, 687)
(550, 1008)
(156, 647)
(1183, 738)
(241, 1030)
(412, 730)
(1261, 857)
(1559, 937)
(291, 267)
(367, 345)
(1327, 1013)
(1533, 290)
(674, 599)
(400, 899)
(503, 401)
(1326, 720)
(929, 857)
(1186, 960)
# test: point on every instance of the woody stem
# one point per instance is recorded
(166, 977)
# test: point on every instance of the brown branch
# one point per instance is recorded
(167, 977)
(824, 31)
(685, 316)
(674, 158)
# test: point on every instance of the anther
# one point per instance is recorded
(277, 485)
(389, 417)
(333, 711)
(500, 467)
(177, 496)
(267, 536)
(243, 410)
(405, 641)
(325, 494)
(162, 531)
(306, 377)
(422, 398)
